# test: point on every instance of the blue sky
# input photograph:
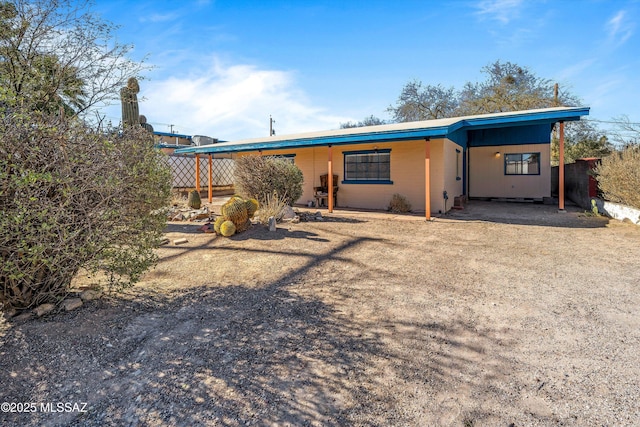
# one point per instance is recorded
(223, 67)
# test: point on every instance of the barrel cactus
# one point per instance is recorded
(227, 228)
(236, 210)
(218, 222)
(252, 207)
(194, 200)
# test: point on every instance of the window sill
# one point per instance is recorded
(353, 181)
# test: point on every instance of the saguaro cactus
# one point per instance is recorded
(129, 99)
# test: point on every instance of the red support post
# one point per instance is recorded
(210, 178)
(197, 173)
(561, 168)
(330, 182)
(427, 179)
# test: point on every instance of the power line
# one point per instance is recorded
(612, 122)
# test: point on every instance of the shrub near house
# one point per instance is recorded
(618, 177)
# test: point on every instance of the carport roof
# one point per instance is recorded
(439, 128)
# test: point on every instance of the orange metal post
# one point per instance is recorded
(427, 179)
(197, 173)
(330, 181)
(210, 178)
(561, 169)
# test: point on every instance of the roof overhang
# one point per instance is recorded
(408, 131)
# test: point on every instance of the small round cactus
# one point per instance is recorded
(218, 222)
(194, 200)
(227, 228)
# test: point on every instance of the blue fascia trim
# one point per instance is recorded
(524, 118)
(352, 181)
(402, 135)
(318, 142)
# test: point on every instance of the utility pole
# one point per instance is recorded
(272, 131)
(171, 128)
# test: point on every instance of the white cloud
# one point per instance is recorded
(503, 11)
(160, 17)
(619, 28)
(232, 102)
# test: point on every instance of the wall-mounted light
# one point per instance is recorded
(497, 154)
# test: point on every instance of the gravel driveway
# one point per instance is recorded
(501, 314)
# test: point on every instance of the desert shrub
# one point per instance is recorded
(259, 176)
(73, 198)
(618, 177)
(399, 204)
(273, 206)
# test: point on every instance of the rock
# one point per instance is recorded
(272, 224)
(288, 213)
(8, 314)
(295, 219)
(197, 216)
(71, 304)
(24, 316)
(178, 217)
(164, 241)
(180, 241)
(89, 295)
(43, 309)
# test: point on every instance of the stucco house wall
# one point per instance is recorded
(407, 173)
(487, 176)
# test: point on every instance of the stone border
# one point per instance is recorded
(618, 211)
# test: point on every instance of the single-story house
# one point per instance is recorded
(500, 155)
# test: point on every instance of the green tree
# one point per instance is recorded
(508, 87)
(56, 54)
(582, 140)
(368, 121)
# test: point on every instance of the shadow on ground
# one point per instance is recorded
(527, 214)
(234, 355)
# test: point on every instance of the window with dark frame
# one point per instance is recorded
(522, 164)
(367, 166)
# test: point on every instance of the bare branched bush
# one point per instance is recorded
(399, 204)
(618, 177)
(259, 176)
(72, 198)
(273, 206)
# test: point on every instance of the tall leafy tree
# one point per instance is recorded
(507, 87)
(57, 55)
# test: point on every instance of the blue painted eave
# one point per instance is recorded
(397, 132)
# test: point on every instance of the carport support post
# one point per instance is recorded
(330, 181)
(427, 179)
(210, 178)
(561, 169)
(197, 173)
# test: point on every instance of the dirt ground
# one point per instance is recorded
(497, 315)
